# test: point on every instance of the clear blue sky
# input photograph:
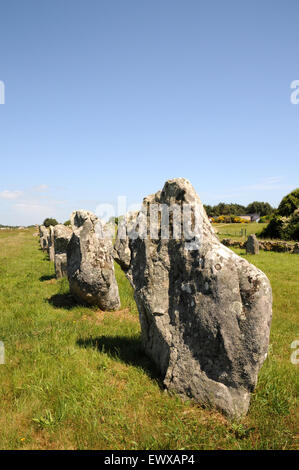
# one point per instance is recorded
(113, 97)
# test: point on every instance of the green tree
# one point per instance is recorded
(284, 223)
(224, 209)
(50, 221)
(289, 204)
(209, 210)
(262, 208)
(275, 228)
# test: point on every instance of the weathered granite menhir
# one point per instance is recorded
(205, 312)
(44, 235)
(90, 263)
(252, 245)
(62, 236)
(51, 250)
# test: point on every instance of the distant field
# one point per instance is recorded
(76, 378)
(234, 230)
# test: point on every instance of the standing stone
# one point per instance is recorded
(252, 245)
(51, 250)
(296, 248)
(121, 251)
(205, 312)
(62, 236)
(90, 263)
(44, 234)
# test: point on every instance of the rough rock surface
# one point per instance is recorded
(44, 235)
(121, 251)
(90, 263)
(51, 250)
(62, 236)
(296, 249)
(205, 313)
(252, 245)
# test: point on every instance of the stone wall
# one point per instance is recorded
(266, 245)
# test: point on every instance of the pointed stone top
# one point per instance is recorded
(175, 191)
(79, 217)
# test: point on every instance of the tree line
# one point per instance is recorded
(256, 207)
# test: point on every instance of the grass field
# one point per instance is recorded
(234, 230)
(76, 378)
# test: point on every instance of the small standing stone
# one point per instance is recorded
(44, 235)
(51, 250)
(62, 235)
(296, 248)
(252, 245)
(90, 263)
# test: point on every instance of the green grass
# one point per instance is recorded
(234, 230)
(76, 378)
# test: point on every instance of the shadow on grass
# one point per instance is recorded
(47, 277)
(126, 349)
(65, 301)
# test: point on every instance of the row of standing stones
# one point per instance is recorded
(84, 258)
(205, 313)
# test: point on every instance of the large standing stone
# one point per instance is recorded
(62, 236)
(44, 235)
(252, 245)
(90, 263)
(205, 312)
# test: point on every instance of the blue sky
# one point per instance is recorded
(113, 97)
